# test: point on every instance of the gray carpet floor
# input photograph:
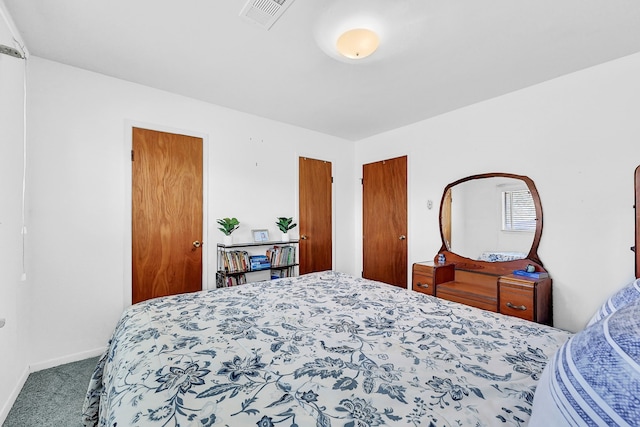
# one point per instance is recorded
(53, 397)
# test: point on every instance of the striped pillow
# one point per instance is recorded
(594, 378)
(624, 296)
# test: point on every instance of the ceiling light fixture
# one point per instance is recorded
(357, 43)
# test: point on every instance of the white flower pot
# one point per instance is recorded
(227, 240)
(285, 237)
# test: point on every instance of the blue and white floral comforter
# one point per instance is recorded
(324, 349)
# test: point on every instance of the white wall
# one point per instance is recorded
(13, 292)
(79, 142)
(577, 137)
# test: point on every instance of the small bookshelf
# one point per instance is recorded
(235, 261)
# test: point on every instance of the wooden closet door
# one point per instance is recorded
(166, 214)
(315, 215)
(384, 219)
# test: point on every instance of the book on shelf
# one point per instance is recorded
(282, 255)
(531, 274)
(279, 273)
(259, 262)
(234, 261)
(224, 281)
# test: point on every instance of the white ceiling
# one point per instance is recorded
(435, 55)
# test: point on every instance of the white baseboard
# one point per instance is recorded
(4, 411)
(66, 359)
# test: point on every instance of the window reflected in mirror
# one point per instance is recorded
(518, 211)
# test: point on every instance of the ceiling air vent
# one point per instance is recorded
(265, 12)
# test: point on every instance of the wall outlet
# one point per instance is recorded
(2, 322)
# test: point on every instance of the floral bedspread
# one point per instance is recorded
(324, 349)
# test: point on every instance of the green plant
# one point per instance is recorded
(285, 224)
(228, 225)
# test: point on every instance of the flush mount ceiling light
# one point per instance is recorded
(357, 43)
(391, 24)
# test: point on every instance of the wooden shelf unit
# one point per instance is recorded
(238, 275)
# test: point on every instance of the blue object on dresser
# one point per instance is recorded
(532, 275)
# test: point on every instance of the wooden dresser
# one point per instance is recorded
(509, 294)
(490, 227)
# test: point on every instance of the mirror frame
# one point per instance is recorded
(498, 267)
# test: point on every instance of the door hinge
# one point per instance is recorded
(132, 155)
(362, 274)
(361, 181)
(332, 180)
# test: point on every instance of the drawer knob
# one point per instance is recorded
(423, 285)
(517, 307)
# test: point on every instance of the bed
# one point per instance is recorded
(323, 349)
(500, 256)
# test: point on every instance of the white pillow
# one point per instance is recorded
(594, 377)
(624, 296)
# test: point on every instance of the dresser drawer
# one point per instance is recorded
(423, 283)
(473, 302)
(518, 302)
(481, 295)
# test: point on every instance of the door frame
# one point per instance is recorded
(127, 176)
(333, 201)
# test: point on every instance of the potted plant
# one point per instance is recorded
(285, 224)
(228, 226)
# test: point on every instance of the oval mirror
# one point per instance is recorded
(491, 218)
